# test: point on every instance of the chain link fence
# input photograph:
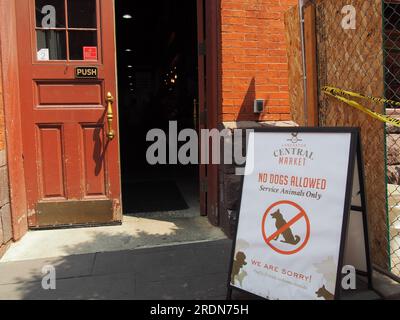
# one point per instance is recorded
(391, 51)
(358, 49)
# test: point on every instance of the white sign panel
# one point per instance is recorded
(291, 217)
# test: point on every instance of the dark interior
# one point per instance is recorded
(157, 83)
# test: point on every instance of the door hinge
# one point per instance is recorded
(204, 185)
(202, 49)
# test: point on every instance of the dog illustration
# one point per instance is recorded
(324, 293)
(238, 264)
(287, 234)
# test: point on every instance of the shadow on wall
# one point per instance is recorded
(246, 111)
(130, 274)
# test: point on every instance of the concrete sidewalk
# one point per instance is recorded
(192, 271)
(152, 230)
(196, 271)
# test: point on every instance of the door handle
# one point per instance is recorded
(110, 116)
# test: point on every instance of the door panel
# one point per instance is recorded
(69, 94)
(71, 166)
(93, 160)
(51, 175)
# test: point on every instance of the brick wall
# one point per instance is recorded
(254, 62)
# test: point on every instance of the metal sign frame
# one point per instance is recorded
(355, 156)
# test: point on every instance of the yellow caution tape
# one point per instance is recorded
(339, 94)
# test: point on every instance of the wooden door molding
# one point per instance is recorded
(11, 94)
(311, 64)
(208, 15)
(212, 18)
(201, 40)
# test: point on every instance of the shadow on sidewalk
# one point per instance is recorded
(188, 271)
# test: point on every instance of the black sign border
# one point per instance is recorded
(355, 154)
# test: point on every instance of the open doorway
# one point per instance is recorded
(157, 83)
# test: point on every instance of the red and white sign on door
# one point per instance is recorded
(90, 53)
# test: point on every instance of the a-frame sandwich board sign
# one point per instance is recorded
(303, 214)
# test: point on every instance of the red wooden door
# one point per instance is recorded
(70, 137)
(207, 25)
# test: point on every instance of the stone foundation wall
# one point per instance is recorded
(230, 184)
(5, 210)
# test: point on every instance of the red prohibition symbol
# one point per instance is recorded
(269, 237)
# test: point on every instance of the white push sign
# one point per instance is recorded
(296, 218)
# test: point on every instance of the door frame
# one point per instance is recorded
(12, 111)
(215, 104)
(73, 202)
(213, 87)
(209, 89)
(12, 115)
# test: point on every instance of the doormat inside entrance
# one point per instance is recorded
(152, 196)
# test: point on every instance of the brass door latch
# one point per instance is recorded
(110, 116)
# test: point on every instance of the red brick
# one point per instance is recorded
(254, 59)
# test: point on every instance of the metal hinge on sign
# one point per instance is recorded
(202, 49)
(204, 185)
